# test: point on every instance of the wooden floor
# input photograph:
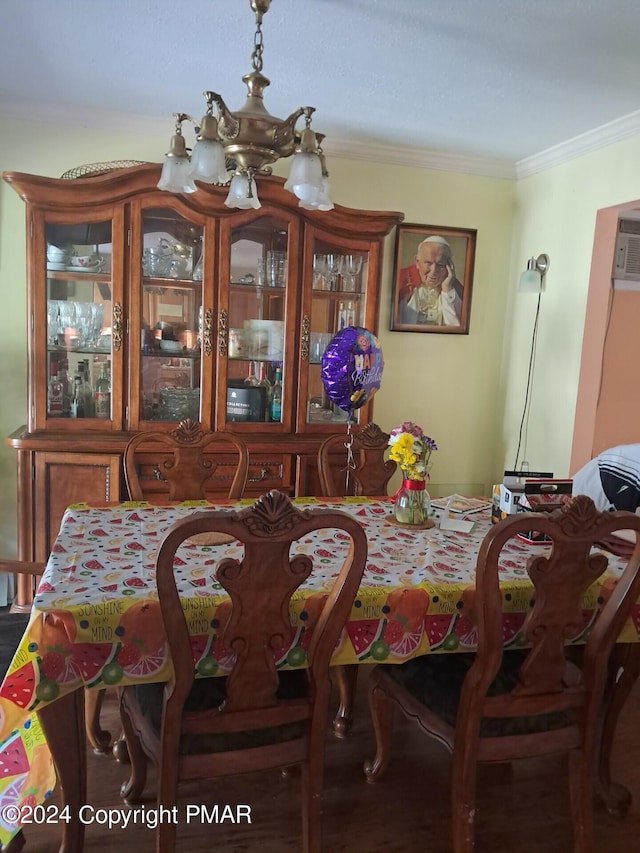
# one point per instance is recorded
(522, 810)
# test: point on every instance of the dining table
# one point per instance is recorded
(416, 598)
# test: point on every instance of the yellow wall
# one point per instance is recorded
(556, 213)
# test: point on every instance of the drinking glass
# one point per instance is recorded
(334, 268)
(351, 267)
(320, 272)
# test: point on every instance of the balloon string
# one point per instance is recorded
(351, 463)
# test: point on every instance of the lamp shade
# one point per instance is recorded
(530, 281)
(242, 193)
(305, 177)
(176, 175)
(323, 201)
(208, 163)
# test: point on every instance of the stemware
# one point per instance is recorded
(351, 267)
(320, 272)
(334, 268)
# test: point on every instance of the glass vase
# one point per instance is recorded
(412, 503)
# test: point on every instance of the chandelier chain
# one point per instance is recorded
(258, 47)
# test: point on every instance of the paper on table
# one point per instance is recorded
(460, 504)
(459, 525)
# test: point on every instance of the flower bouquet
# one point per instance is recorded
(411, 448)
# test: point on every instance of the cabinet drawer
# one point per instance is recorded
(266, 471)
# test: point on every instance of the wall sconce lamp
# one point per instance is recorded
(532, 279)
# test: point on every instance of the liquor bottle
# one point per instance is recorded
(276, 397)
(87, 391)
(77, 400)
(54, 393)
(268, 387)
(63, 379)
(102, 395)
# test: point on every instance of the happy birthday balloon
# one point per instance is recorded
(352, 367)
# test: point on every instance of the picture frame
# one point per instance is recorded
(432, 279)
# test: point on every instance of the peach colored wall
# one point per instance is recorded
(618, 412)
(607, 407)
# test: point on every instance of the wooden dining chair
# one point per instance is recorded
(369, 472)
(499, 705)
(188, 458)
(366, 472)
(257, 717)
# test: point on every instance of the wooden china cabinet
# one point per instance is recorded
(146, 308)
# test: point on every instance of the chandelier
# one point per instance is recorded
(250, 140)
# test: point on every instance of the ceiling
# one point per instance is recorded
(505, 79)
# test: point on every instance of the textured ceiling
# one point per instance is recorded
(494, 78)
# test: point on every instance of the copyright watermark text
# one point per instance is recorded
(113, 818)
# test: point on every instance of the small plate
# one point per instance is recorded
(93, 268)
(55, 266)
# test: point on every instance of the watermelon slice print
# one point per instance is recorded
(90, 658)
(363, 634)
(511, 625)
(9, 797)
(13, 758)
(199, 646)
(19, 687)
(437, 626)
(467, 632)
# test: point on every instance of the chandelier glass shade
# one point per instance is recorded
(234, 147)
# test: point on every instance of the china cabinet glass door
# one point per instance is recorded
(337, 299)
(169, 317)
(251, 331)
(81, 323)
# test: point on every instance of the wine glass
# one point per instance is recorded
(320, 272)
(352, 264)
(334, 268)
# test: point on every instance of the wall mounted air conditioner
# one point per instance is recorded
(626, 264)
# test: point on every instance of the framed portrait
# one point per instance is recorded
(432, 279)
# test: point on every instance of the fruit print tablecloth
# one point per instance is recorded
(96, 618)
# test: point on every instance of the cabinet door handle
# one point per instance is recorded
(207, 332)
(264, 473)
(116, 326)
(223, 332)
(305, 338)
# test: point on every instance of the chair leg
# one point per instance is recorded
(99, 738)
(381, 709)
(312, 778)
(581, 799)
(131, 790)
(624, 668)
(346, 677)
(167, 797)
(463, 799)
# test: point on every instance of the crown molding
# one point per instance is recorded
(422, 158)
(585, 143)
(91, 119)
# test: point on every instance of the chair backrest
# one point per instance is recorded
(184, 458)
(260, 586)
(370, 472)
(546, 682)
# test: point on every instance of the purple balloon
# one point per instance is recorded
(352, 367)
